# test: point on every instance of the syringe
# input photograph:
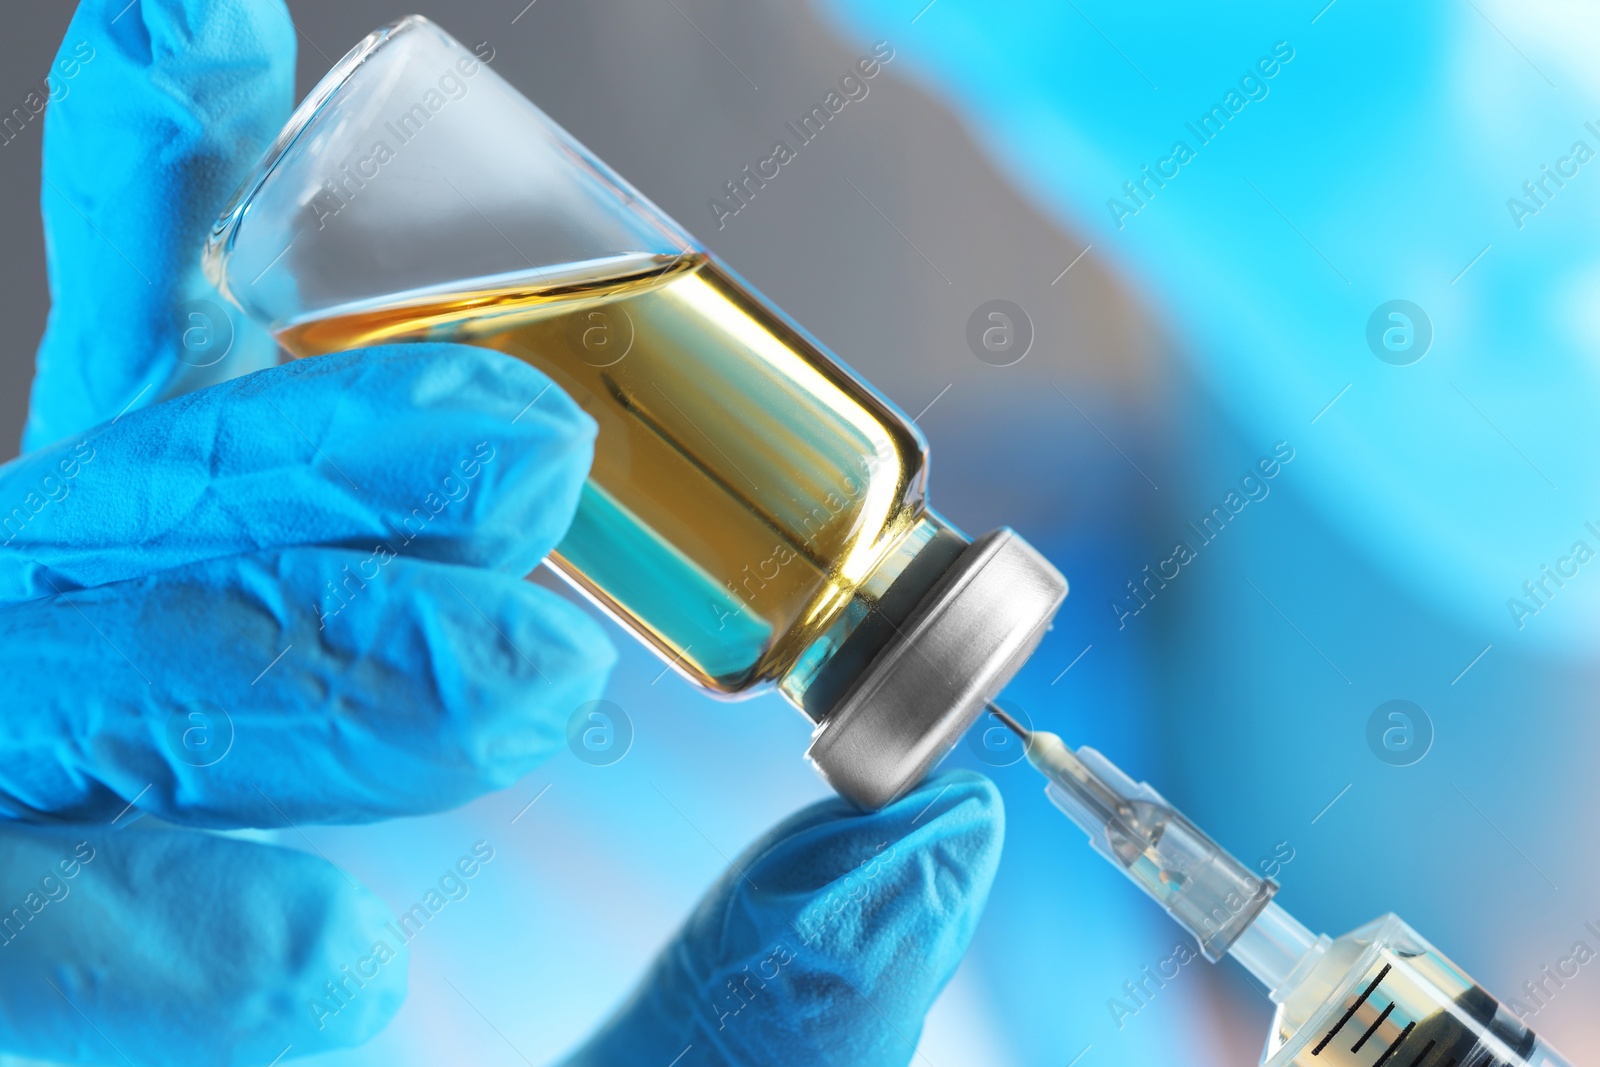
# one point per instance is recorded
(1380, 996)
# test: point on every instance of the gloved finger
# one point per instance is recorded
(826, 943)
(160, 108)
(170, 947)
(297, 685)
(437, 450)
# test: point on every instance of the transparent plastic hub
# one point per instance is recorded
(1208, 892)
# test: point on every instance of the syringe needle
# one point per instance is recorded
(1053, 758)
(1011, 724)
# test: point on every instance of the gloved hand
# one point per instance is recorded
(825, 943)
(293, 597)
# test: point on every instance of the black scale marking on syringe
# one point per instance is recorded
(1388, 1053)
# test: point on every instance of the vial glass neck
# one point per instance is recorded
(878, 610)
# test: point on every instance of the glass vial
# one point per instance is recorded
(755, 512)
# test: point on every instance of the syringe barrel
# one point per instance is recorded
(1381, 996)
(1207, 891)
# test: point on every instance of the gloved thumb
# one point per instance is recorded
(826, 943)
(160, 107)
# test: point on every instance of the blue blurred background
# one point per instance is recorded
(1184, 331)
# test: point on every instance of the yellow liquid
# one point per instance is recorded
(744, 485)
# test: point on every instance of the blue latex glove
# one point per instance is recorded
(294, 596)
(826, 942)
(291, 597)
